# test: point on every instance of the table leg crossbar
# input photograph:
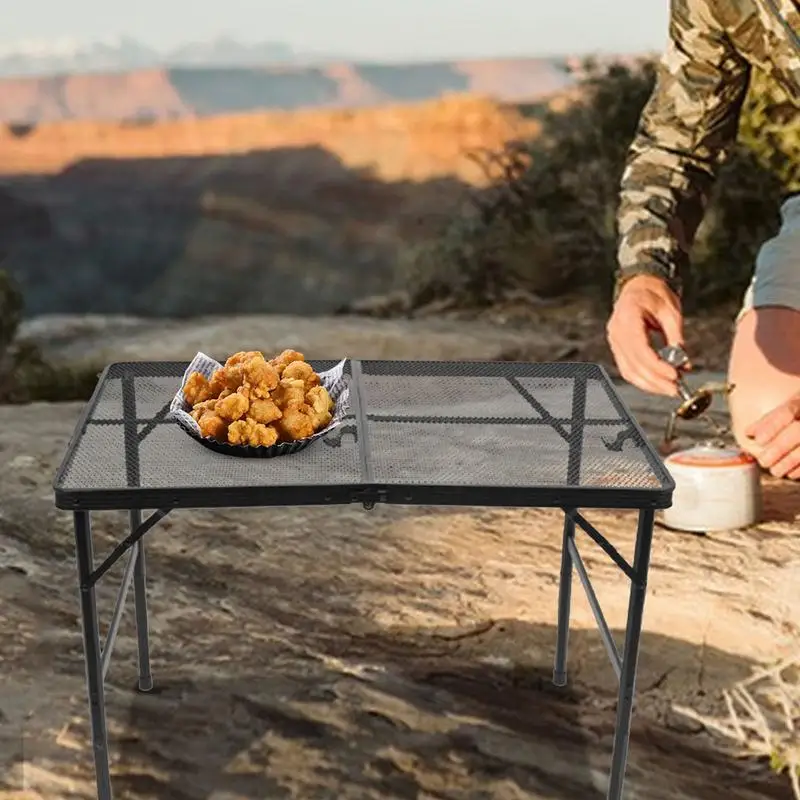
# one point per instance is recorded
(594, 604)
(601, 541)
(119, 608)
(98, 657)
(138, 529)
(624, 664)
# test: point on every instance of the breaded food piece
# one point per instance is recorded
(264, 411)
(214, 426)
(233, 407)
(303, 371)
(242, 356)
(298, 370)
(320, 419)
(321, 405)
(287, 356)
(281, 361)
(196, 389)
(295, 423)
(255, 372)
(319, 398)
(260, 376)
(217, 383)
(289, 393)
(202, 408)
(232, 371)
(250, 432)
(233, 377)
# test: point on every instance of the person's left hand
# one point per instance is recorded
(777, 435)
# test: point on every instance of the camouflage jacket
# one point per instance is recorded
(690, 123)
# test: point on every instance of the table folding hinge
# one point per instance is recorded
(369, 497)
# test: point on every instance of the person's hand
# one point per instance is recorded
(777, 435)
(645, 304)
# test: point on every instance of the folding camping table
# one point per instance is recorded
(416, 433)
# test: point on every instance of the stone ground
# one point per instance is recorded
(399, 653)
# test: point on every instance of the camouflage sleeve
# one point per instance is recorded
(685, 133)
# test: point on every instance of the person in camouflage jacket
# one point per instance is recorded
(685, 133)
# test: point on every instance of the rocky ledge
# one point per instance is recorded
(333, 653)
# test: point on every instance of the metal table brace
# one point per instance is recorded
(624, 665)
(98, 656)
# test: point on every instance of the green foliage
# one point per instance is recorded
(744, 209)
(780, 764)
(770, 130)
(742, 215)
(25, 375)
(11, 307)
(547, 221)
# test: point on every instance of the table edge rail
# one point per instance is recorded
(367, 494)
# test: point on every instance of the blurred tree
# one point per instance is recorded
(547, 222)
(25, 375)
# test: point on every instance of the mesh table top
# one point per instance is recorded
(418, 432)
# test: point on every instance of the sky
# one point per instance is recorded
(371, 29)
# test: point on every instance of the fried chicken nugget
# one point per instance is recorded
(233, 370)
(217, 384)
(295, 423)
(233, 407)
(250, 432)
(214, 426)
(202, 408)
(264, 411)
(196, 389)
(233, 377)
(281, 361)
(260, 376)
(255, 372)
(303, 371)
(319, 398)
(321, 405)
(242, 356)
(290, 393)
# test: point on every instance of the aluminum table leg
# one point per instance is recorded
(627, 684)
(564, 604)
(92, 653)
(140, 604)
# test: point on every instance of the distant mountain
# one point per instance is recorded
(286, 213)
(148, 94)
(123, 54)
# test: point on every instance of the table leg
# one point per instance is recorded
(630, 657)
(564, 604)
(92, 653)
(140, 604)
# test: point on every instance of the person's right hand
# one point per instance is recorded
(645, 304)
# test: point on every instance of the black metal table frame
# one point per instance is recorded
(98, 654)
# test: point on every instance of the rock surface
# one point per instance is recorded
(101, 339)
(403, 653)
